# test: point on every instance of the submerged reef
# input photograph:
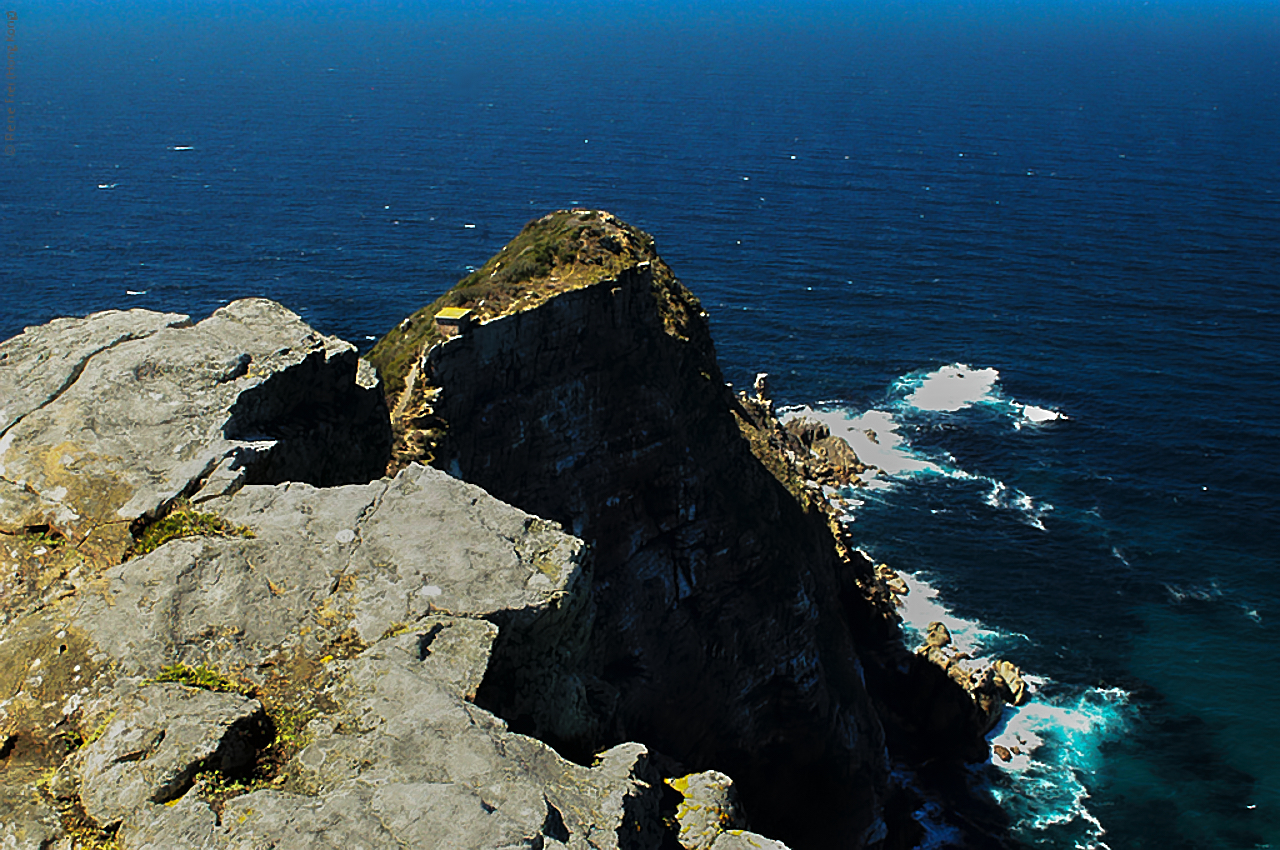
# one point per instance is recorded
(531, 575)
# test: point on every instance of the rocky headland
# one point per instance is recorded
(531, 575)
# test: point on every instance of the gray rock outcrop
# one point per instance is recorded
(369, 611)
(742, 840)
(709, 808)
(109, 418)
(991, 684)
(27, 820)
(829, 459)
(154, 742)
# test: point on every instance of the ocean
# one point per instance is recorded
(1024, 254)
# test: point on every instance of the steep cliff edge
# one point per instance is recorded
(732, 620)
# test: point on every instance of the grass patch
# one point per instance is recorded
(290, 701)
(182, 520)
(216, 787)
(278, 739)
(41, 535)
(99, 731)
(202, 677)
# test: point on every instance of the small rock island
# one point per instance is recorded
(529, 575)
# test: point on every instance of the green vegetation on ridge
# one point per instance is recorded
(564, 250)
(201, 676)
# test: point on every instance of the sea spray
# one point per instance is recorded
(1054, 745)
(1047, 749)
(879, 435)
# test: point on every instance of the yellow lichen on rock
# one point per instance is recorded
(709, 808)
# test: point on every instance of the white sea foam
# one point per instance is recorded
(922, 606)
(1054, 745)
(953, 387)
(874, 438)
(1040, 415)
(1001, 495)
(1054, 738)
(1053, 741)
(1179, 594)
(958, 386)
(876, 435)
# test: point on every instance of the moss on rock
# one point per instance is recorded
(182, 521)
(201, 676)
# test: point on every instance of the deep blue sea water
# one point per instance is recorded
(1032, 246)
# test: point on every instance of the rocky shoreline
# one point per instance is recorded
(542, 581)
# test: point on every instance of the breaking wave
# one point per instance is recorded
(1046, 749)
(877, 435)
(1052, 742)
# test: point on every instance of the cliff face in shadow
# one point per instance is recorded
(728, 614)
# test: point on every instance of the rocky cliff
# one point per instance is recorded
(733, 623)
(108, 419)
(236, 609)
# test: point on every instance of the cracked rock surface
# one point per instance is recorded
(154, 741)
(111, 417)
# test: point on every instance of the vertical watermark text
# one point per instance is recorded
(10, 87)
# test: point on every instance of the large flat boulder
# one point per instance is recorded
(109, 418)
(326, 565)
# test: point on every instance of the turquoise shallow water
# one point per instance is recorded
(1082, 201)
